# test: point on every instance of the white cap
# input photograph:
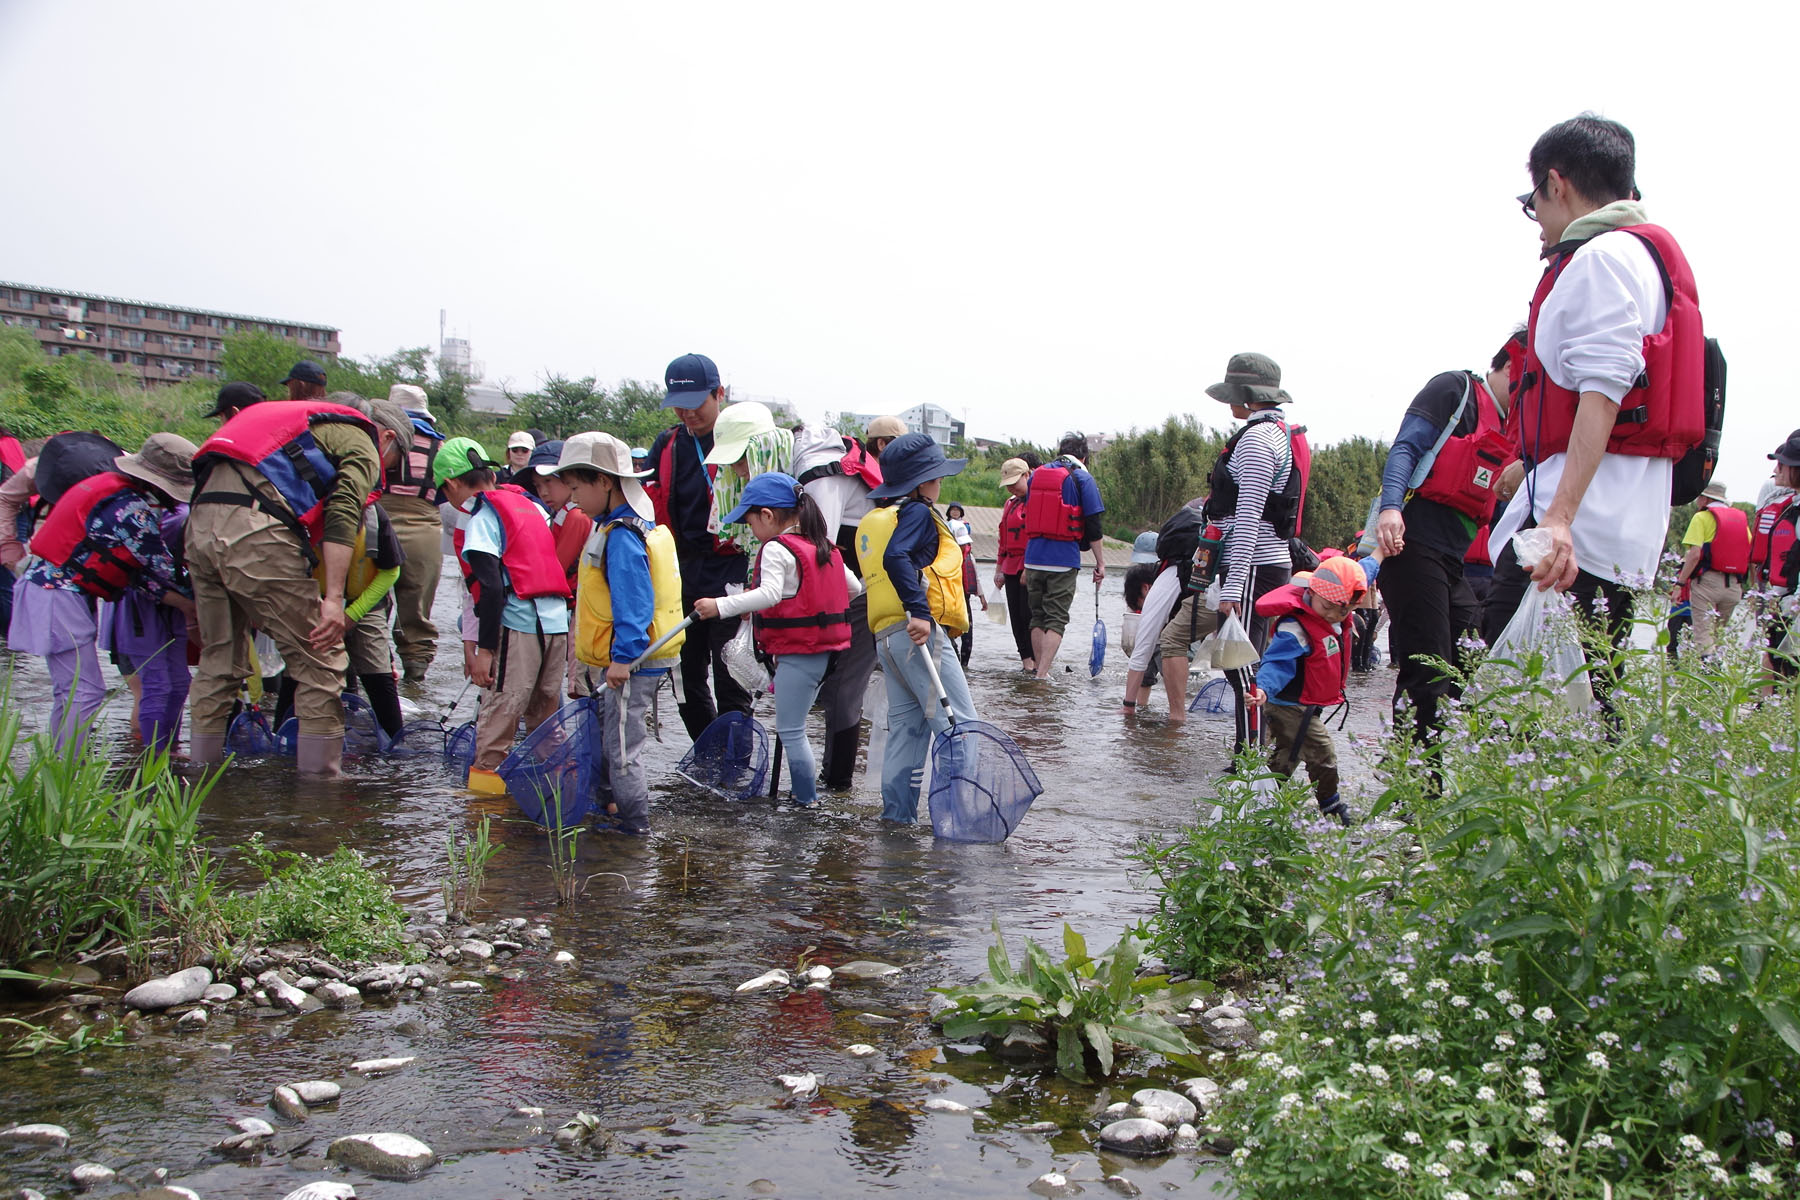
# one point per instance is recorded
(521, 441)
(605, 453)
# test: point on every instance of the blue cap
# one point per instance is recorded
(306, 371)
(912, 459)
(545, 456)
(690, 379)
(771, 489)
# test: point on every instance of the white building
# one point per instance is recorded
(932, 419)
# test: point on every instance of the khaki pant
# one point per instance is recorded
(248, 572)
(1283, 723)
(366, 641)
(421, 533)
(1714, 598)
(1184, 630)
(528, 678)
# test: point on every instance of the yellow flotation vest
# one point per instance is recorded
(942, 575)
(362, 570)
(593, 595)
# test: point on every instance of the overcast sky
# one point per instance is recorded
(1039, 216)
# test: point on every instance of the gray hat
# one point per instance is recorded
(165, 462)
(1250, 379)
(1713, 491)
(390, 416)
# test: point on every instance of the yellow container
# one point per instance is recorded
(486, 783)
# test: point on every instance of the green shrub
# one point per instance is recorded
(1577, 972)
(335, 903)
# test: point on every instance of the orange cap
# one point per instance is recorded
(1339, 580)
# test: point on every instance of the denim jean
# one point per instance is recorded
(797, 679)
(914, 715)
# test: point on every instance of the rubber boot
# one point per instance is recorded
(319, 756)
(1334, 807)
(206, 747)
(840, 759)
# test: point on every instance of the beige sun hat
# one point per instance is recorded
(412, 398)
(1013, 470)
(607, 454)
(166, 462)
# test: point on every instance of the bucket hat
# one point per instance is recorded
(607, 454)
(1788, 453)
(412, 398)
(910, 460)
(236, 395)
(689, 380)
(1013, 470)
(771, 489)
(1143, 550)
(1713, 491)
(1339, 580)
(166, 462)
(1250, 379)
(737, 426)
(459, 456)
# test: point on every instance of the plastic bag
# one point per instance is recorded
(1545, 624)
(740, 659)
(1233, 648)
(1212, 596)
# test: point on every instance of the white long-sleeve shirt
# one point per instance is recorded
(1590, 337)
(779, 580)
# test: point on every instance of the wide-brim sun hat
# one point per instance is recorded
(412, 398)
(912, 459)
(1250, 378)
(1143, 550)
(771, 489)
(737, 426)
(166, 462)
(1714, 491)
(607, 454)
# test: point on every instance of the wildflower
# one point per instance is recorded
(1480, 1014)
(1543, 1013)
(1706, 974)
(1534, 1053)
(1660, 739)
(1491, 1068)
(1669, 1066)
(1486, 1094)
(1437, 985)
(1448, 1081)
(1455, 1146)
(1289, 1099)
(1438, 1170)
(1608, 1038)
(1711, 726)
(1504, 1041)
(1525, 1175)
(1478, 1148)
(1484, 958)
(1268, 1037)
(1270, 1062)
(1412, 1139)
(1761, 1174)
(1597, 1060)
(1357, 1068)
(1538, 1113)
(1397, 1163)
(1459, 1001)
(1240, 1085)
(1325, 1093)
(1378, 1073)
(1673, 933)
(1515, 1011)
(1240, 1154)
(1719, 1176)
(1410, 936)
(1288, 1012)
(1708, 1157)
(1291, 1072)
(1456, 1195)
(1366, 1019)
(1327, 1042)
(1424, 1075)
(1506, 1187)
(1598, 1141)
(1751, 894)
(1784, 1139)
(1691, 1144)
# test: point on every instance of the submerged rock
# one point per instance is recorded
(334, 993)
(91, 1175)
(800, 1086)
(183, 987)
(1137, 1135)
(191, 1021)
(1053, 1183)
(860, 1050)
(323, 1189)
(818, 974)
(876, 1019)
(465, 985)
(1041, 1127)
(583, 1131)
(945, 1105)
(253, 1125)
(242, 1145)
(288, 1103)
(862, 969)
(1123, 1186)
(388, 1155)
(167, 1191)
(35, 1135)
(562, 957)
(1164, 1107)
(380, 1066)
(316, 1091)
(768, 979)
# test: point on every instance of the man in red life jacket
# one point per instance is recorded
(1062, 518)
(280, 487)
(410, 500)
(1009, 559)
(1717, 561)
(1612, 391)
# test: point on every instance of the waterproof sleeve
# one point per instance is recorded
(491, 601)
(15, 494)
(1280, 662)
(374, 594)
(633, 596)
(1431, 410)
(359, 472)
(778, 580)
(913, 545)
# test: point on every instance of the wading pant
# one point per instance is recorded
(842, 693)
(1018, 613)
(248, 572)
(914, 715)
(1287, 725)
(1430, 609)
(421, 531)
(165, 681)
(699, 654)
(625, 786)
(60, 625)
(528, 676)
(1714, 598)
(797, 679)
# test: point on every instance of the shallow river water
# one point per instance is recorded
(644, 1029)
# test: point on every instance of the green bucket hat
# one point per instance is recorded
(1250, 379)
(458, 456)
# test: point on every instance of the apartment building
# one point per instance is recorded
(156, 343)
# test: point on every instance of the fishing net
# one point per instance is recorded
(729, 758)
(250, 735)
(1097, 655)
(362, 732)
(459, 746)
(1213, 698)
(421, 735)
(981, 785)
(554, 773)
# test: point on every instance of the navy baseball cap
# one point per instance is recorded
(242, 395)
(771, 489)
(690, 379)
(306, 371)
(545, 456)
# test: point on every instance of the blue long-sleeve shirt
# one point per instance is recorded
(1430, 524)
(633, 596)
(913, 546)
(1288, 645)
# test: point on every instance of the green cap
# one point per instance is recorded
(458, 456)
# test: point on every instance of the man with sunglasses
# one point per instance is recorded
(1604, 406)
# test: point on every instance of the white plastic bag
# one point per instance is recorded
(1232, 647)
(1128, 630)
(740, 659)
(1212, 596)
(1545, 624)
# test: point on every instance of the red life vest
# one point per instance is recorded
(1477, 552)
(816, 618)
(1774, 539)
(529, 550)
(1319, 678)
(857, 462)
(1046, 513)
(665, 479)
(1467, 468)
(12, 457)
(1664, 414)
(101, 567)
(1011, 554)
(570, 527)
(412, 477)
(1281, 509)
(274, 439)
(1729, 551)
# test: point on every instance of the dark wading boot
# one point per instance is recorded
(840, 759)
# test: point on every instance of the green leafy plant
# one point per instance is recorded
(1091, 1009)
(899, 918)
(336, 903)
(35, 1039)
(466, 862)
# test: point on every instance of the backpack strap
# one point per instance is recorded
(1425, 464)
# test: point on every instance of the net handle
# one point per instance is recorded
(929, 651)
(662, 641)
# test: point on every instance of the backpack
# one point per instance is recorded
(1179, 537)
(69, 458)
(1694, 470)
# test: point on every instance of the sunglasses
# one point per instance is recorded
(1528, 202)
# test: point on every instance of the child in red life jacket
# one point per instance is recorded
(1304, 668)
(800, 592)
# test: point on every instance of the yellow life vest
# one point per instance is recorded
(942, 576)
(593, 596)
(362, 570)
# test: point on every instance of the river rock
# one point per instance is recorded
(465, 985)
(56, 979)
(862, 969)
(381, 1066)
(191, 1021)
(323, 969)
(800, 1086)
(35, 1135)
(1022, 1043)
(288, 1103)
(307, 983)
(253, 1125)
(166, 1191)
(1137, 1135)
(218, 993)
(183, 987)
(242, 1145)
(284, 994)
(317, 1091)
(561, 957)
(1202, 1091)
(1163, 1107)
(539, 933)
(1186, 1136)
(1123, 1186)
(334, 993)
(476, 948)
(507, 946)
(768, 979)
(323, 1189)
(818, 974)
(945, 1105)
(937, 1003)
(91, 1175)
(28, 1194)
(528, 1111)
(875, 1019)
(860, 1050)
(1041, 1127)
(388, 1155)
(1052, 1184)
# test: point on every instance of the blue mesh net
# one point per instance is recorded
(1214, 697)
(421, 735)
(1097, 655)
(554, 773)
(362, 732)
(286, 736)
(250, 735)
(730, 757)
(981, 785)
(459, 746)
